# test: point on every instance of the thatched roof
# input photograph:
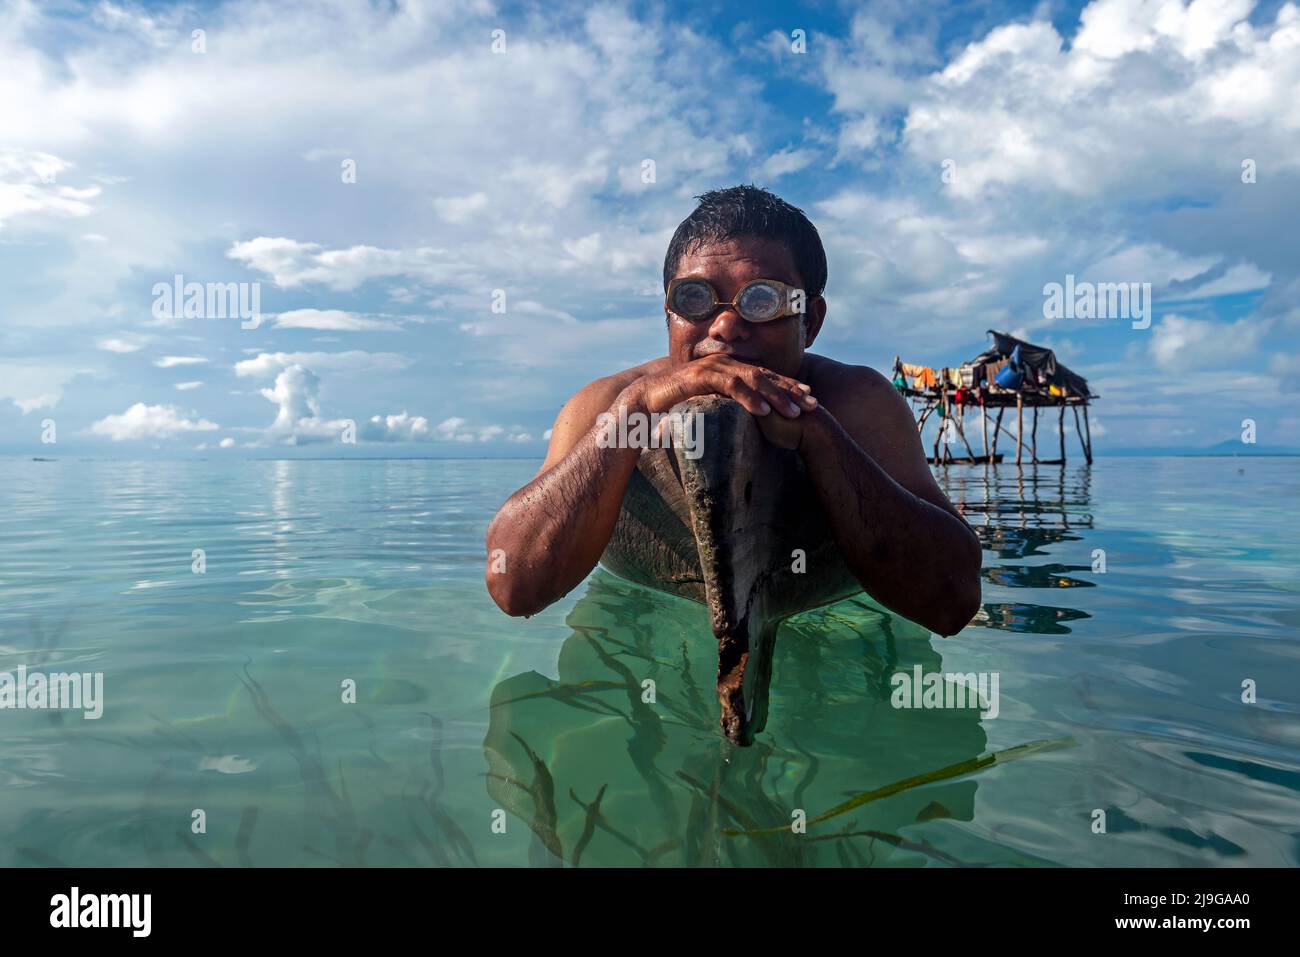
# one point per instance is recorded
(1035, 357)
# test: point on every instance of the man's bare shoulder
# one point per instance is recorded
(870, 409)
(581, 411)
(835, 383)
(597, 395)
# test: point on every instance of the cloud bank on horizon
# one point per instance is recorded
(453, 215)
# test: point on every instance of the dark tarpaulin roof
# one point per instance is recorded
(1035, 357)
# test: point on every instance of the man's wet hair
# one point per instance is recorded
(725, 214)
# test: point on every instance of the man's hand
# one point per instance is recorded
(782, 432)
(758, 389)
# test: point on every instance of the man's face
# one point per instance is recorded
(777, 345)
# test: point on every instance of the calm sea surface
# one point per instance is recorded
(479, 739)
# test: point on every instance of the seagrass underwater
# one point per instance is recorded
(59, 690)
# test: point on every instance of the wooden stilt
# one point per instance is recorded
(997, 430)
(1060, 419)
(961, 430)
(925, 414)
(938, 439)
(1087, 431)
(984, 428)
(944, 433)
(1012, 437)
(1033, 438)
(1020, 425)
(1078, 431)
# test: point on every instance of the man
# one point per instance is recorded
(896, 530)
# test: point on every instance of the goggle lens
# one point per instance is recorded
(692, 299)
(759, 302)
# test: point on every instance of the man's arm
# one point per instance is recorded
(896, 529)
(551, 533)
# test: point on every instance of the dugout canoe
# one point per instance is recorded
(724, 529)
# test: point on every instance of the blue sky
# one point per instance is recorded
(1103, 140)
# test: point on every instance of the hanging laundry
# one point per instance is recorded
(923, 377)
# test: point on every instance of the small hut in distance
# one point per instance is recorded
(1011, 373)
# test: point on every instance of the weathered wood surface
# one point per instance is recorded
(722, 529)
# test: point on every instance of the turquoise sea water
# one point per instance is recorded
(223, 690)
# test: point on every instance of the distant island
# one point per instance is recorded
(1229, 448)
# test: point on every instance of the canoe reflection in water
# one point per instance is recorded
(618, 762)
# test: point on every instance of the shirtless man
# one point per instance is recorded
(898, 533)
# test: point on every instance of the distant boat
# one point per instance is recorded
(728, 530)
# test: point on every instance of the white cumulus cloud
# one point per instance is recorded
(460, 209)
(396, 428)
(332, 320)
(123, 343)
(269, 363)
(142, 421)
(1180, 343)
